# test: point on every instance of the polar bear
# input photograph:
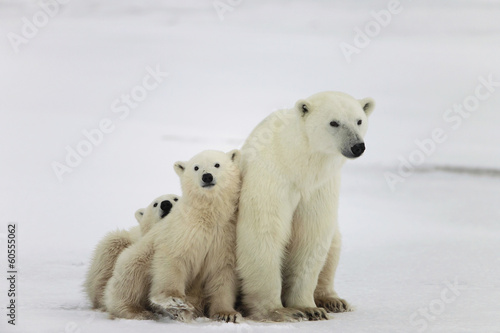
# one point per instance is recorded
(157, 210)
(288, 241)
(186, 263)
(110, 247)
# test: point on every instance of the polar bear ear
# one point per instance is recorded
(303, 107)
(234, 155)
(139, 214)
(179, 168)
(368, 104)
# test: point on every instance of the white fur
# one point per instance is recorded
(288, 241)
(110, 247)
(188, 260)
(149, 216)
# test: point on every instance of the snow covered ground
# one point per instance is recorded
(420, 211)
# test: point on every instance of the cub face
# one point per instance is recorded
(208, 172)
(157, 210)
(335, 122)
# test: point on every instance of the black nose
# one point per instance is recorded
(207, 178)
(165, 206)
(358, 149)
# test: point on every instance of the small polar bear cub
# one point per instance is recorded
(110, 247)
(187, 263)
(157, 210)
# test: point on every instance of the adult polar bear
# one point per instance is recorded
(288, 241)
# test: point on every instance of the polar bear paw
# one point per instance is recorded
(176, 307)
(134, 313)
(315, 313)
(172, 303)
(228, 317)
(283, 315)
(333, 304)
(185, 316)
(145, 315)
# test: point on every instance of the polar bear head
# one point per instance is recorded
(335, 122)
(210, 174)
(158, 209)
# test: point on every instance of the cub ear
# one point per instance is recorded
(179, 168)
(234, 155)
(139, 214)
(368, 104)
(303, 107)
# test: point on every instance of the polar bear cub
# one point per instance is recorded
(186, 263)
(110, 247)
(157, 210)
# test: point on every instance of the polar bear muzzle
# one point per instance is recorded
(165, 206)
(208, 180)
(358, 149)
(355, 150)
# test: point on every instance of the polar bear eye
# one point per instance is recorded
(196, 168)
(334, 124)
(217, 165)
(156, 204)
(360, 122)
(175, 199)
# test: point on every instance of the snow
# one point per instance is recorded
(403, 246)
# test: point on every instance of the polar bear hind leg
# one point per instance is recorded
(325, 295)
(103, 263)
(127, 290)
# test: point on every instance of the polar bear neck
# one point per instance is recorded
(216, 207)
(279, 143)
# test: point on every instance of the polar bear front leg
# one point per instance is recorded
(312, 232)
(221, 288)
(263, 230)
(168, 288)
(325, 295)
(221, 282)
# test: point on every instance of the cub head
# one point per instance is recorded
(335, 122)
(157, 210)
(210, 173)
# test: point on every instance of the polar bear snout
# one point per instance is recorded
(354, 151)
(165, 206)
(208, 180)
(358, 149)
